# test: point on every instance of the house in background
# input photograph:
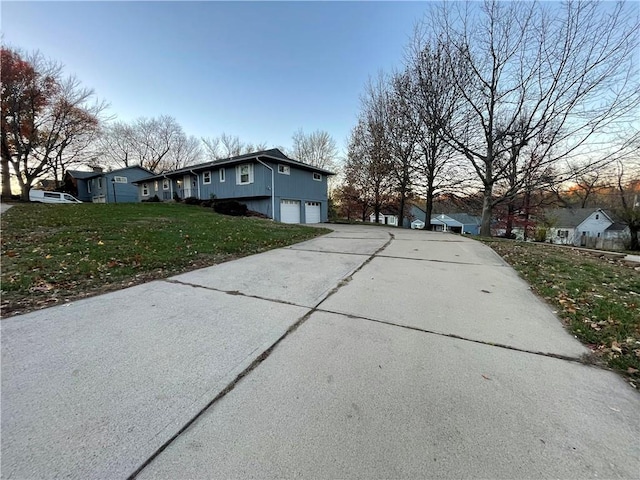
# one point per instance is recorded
(116, 186)
(441, 222)
(268, 182)
(385, 218)
(585, 227)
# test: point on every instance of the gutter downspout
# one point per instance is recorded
(273, 199)
(197, 180)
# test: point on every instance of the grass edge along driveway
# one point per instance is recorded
(52, 254)
(596, 298)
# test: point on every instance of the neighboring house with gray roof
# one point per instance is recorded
(268, 182)
(97, 186)
(581, 227)
(444, 222)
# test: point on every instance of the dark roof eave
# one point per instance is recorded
(233, 161)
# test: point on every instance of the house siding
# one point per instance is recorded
(588, 233)
(100, 187)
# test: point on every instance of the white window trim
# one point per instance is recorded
(155, 185)
(89, 185)
(165, 184)
(319, 176)
(206, 181)
(99, 182)
(222, 175)
(286, 170)
(239, 176)
(145, 189)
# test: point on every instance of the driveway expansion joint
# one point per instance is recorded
(586, 359)
(439, 261)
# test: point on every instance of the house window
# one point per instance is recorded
(597, 216)
(165, 184)
(124, 180)
(244, 174)
(145, 189)
(89, 186)
(317, 177)
(155, 185)
(221, 175)
(206, 178)
(284, 169)
(99, 182)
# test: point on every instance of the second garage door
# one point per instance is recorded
(312, 212)
(290, 211)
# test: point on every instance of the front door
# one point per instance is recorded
(186, 181)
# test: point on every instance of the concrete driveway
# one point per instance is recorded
(367, 353)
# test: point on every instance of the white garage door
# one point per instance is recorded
(290, 211)
(312, 212)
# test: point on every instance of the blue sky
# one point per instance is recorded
(258, 70)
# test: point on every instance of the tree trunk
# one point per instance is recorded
(429, 205)
(527, 202)
(487, 212)
(634, 244)
(6, 179)
(401, 212)
(428, 213)
(508, 231)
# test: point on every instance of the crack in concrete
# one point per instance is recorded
(334, 253)
(258, 360)
(236, 293)
(429, 240)
(585, 359)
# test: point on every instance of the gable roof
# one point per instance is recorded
(79, 174)
(465, 218)
(572, 217)
(273, 154)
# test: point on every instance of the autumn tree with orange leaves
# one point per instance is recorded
(48, 120)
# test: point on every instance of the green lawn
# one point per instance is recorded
(55, 253)
(598, 299)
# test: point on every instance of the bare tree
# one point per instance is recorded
(368, 165)
(403, 135)
(185, 151)
(157, 144)
(117, 145)
(565, 73)
(432, 102)
(317, 148)
(227, 146)
(72, 128)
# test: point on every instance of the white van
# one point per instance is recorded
(51, 197)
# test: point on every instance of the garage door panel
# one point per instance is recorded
(312, 212)
(290, 211)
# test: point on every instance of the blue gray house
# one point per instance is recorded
(268, 182)
(441, 222)
(116, 186)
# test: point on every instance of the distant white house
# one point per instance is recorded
(585, 227)
(417, 224)
(385, 218)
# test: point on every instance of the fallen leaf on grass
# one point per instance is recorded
(485, 377)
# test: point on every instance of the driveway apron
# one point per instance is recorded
(366, 353)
